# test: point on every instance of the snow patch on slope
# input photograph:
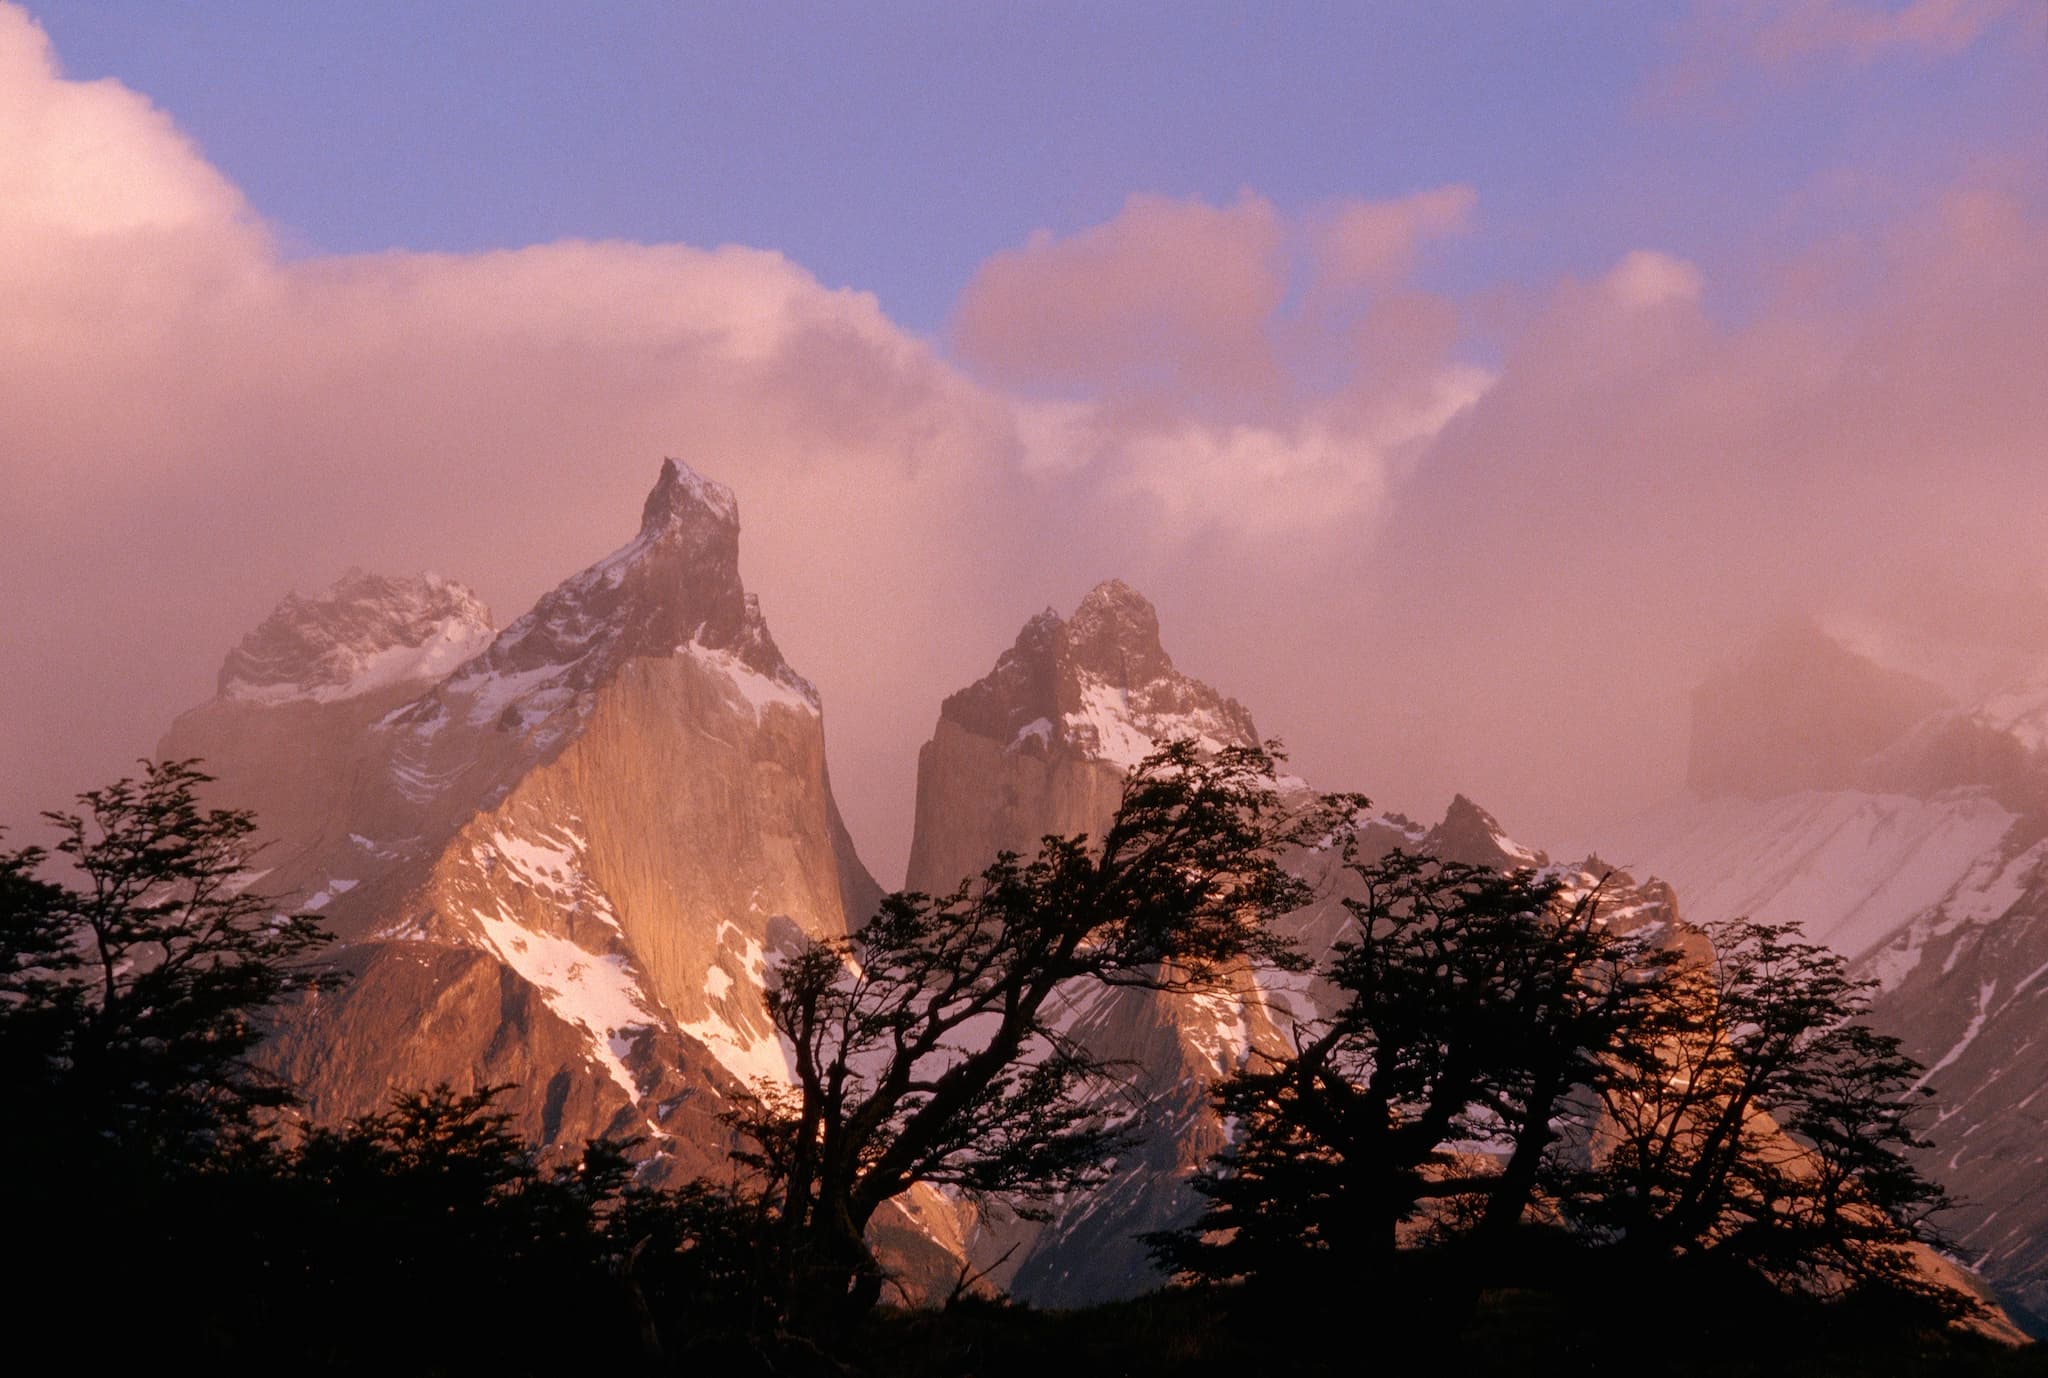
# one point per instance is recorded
(596, 992)
(366, 672)
(1115, 729)
(365, 634)
(1851, 867)
(750, 1051)
(758, 691)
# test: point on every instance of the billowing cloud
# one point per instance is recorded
(1168, 294)
(1217, 363)
(1646, 279)
(1369, 243)
(191, 425)
(1722, 40)
(1425, 573)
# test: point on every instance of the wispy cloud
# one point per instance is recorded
(1722, 41)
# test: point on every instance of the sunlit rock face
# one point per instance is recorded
(1042, 742)
(1911, 836)
(564, 858)
(1039, 745)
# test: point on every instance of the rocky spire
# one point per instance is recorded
(1470, 834)
(682, 499)
(1114, 635)
(1099, 681)
(674, 586)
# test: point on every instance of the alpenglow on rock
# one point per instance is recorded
(1042, 742)
(567, 859)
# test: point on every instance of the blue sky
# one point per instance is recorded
(892, 147)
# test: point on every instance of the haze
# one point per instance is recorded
(1462, 388)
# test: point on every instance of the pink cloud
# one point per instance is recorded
(1816, 28)
(1195, 384)
(1173, 294)
(1721, 40)
(1424, 575)
(1368, 243)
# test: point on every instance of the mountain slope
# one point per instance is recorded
(1923, 862)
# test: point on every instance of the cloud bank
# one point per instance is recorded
(1482, 543)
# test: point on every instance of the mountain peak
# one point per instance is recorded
(1099, 681)
(683, 497)
(1114, 634)
(674, 589)
(365, 633)
(1470, 834)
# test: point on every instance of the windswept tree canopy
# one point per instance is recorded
(131, 994)
(1499, 1051)
(928, 1045)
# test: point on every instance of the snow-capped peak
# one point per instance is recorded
(682, 496)
(364, 634)
(673, 589)
(1098, 683)
(1114, 634)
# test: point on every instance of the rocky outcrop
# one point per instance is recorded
(1041, 745)
(285, 730)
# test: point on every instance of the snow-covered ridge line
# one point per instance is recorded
(365, 634)
(1850, 867)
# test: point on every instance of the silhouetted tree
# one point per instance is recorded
(134, 982)
(1473, 1006)
(1765, 1124)
(134, 991)
(1730, 1112)
(927, 1047)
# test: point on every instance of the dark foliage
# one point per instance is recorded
(161, 1205)
(1502, 1056)
(1768, 1126)
(131, 996)
(1476, 1008)
(166, 1212)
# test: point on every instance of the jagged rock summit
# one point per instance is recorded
(1100, 683)
(564, 862)
(674, 590)
(365, 634)
(1041, 743)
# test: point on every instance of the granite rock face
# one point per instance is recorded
(562, 856)
(1042, 742)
